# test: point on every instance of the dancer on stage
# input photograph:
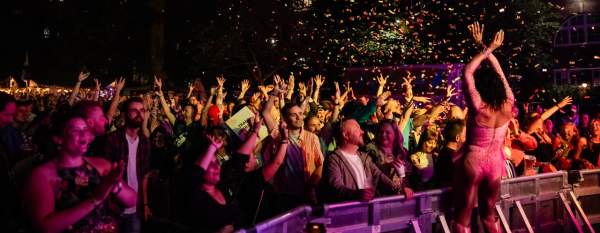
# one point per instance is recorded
(480, 169)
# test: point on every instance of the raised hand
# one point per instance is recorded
(282, 88)
(291, 80)
(119, 85)
(213, 91)
(347, 86)
(266, 89)
(255, 97)
(338, 93)
(408, 80)
(382, 80)
(476, 32)
(83, 76)
(450, 91)
(421, 99)
(277, 80)
(498, 39)
(319, 80)
(97, 84)
(217, 142)
(564, 102)
(245, 85)
(269, 88)
(190, 87)
(302, 89)
(158, 82)
(220, 80)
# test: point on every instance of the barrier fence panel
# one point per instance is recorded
(293, 221)
(588, 193)
(538, 197)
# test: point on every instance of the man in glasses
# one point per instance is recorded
(129, 144)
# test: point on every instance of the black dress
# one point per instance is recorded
(443, 167)
(202, 212)
(591, 152)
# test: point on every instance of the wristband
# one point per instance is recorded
(284, 141)
(486, 52)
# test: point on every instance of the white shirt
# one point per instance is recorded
(357, 168)
(132, 181)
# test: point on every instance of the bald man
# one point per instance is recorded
(350, 174)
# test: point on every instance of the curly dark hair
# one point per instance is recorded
(490, 87)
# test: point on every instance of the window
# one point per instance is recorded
(578, 30)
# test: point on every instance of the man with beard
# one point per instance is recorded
(93, 115)
(303, 164)
(129, 144)
(350, 174)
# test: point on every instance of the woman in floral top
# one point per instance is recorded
(69, 193)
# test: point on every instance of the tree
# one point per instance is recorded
(242, 38)
(367, 33)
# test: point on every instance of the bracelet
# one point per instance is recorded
(284, 141)
(119, 188)
(486, 52)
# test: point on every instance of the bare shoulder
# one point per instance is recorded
(43, 174)
(44, 171)
(582, 141)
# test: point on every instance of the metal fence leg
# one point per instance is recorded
(503, 219)
(375, 217)
(580, 211)
(415, 225)
(444, 223)
(524, 217)
(570, 212)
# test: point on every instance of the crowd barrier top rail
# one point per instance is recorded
(539, 176)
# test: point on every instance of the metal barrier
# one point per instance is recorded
(527, 204)
(587, 192)
(292, 221)
(539, 204)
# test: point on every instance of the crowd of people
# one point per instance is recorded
(85, 162)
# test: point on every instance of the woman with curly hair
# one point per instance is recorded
(490, 100)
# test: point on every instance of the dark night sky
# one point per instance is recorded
(109, 37)
(63, 36)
